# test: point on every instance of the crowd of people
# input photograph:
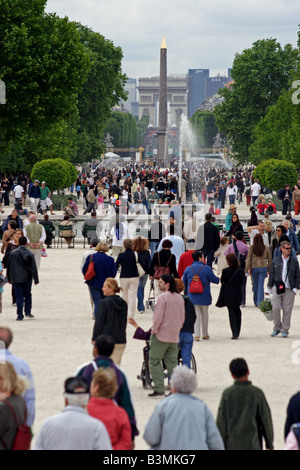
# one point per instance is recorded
(179, 256)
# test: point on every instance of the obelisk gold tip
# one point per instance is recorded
(163, 44)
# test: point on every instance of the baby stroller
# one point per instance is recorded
(150, 303)
(145, 376)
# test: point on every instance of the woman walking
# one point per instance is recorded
(258, 263)
(163, 259)
(141, 247)
(236, 226)
(129, 276)
(232, 280)
(111, 318)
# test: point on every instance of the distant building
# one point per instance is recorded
(130, 105)
(148, 89)
(201, 86)
(196, 89)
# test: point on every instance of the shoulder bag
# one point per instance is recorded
(23, 435)
(90, 272)
(139, 267)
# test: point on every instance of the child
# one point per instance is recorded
(220, 253)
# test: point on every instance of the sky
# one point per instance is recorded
(198, 33)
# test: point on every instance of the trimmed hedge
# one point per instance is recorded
(58, 173)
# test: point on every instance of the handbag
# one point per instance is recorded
(3, 280)
(23, 435)
(90, 272)
(139, 267)
(160, 270)
(196, 286)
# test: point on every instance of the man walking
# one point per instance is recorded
(283, 284)
(202, 300)
(168, 319)
(208, 239)
(244, 417)
(21, 269)
(36, 236)
(34, 194)
(45, 198)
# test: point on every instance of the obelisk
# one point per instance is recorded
(163, 109)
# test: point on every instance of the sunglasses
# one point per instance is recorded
(286, 248)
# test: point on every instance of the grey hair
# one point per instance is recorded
(183, 380)
(77, 399)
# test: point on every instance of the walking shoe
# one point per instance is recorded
(284, 334)
(205, 337)
(275, 332)
(19, 319)
(197, 338)
(29, 316)
(156, 394)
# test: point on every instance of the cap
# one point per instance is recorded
(36, 181)
(43, 182)
(152, 189)
(76, 385)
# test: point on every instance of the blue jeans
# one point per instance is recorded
(140, 293)
(97, 296)
(209, 256)
(231, 199)
(153, 248)
(22, 291)
(258, 277)
(186, 344)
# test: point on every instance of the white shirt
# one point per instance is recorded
(18, 191)
(264, 235)
(255, 188)
(72, 429)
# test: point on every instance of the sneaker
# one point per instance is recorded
(197, 338)
(205, 337)
(19, 319)
(156, 394)
(284, 334)
(275, 333)
(29, 316)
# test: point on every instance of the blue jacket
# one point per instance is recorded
(206, 275)
(104, 267)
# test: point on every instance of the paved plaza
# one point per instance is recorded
(58, 340)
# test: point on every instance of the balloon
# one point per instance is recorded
(217, 211)
(116, 196)
(118, 202)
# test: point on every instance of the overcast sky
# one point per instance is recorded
(198, 33)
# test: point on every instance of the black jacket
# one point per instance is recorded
(111, 319)
(127, 261)
(275, 273)
(157, 232)
(190, 315)
(233, 280)
(21, 266)
(208, 237)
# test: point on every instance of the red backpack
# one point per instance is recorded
(23, 435)
(196, 286)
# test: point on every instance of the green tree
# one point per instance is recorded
(44, 65)
(58, 173)
(276, 174)
(260, 74)
(204, 125)
(276, 136)
(103, 89)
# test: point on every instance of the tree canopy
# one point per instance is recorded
(260, 75)
(61, 81)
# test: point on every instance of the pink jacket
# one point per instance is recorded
(168, 317)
